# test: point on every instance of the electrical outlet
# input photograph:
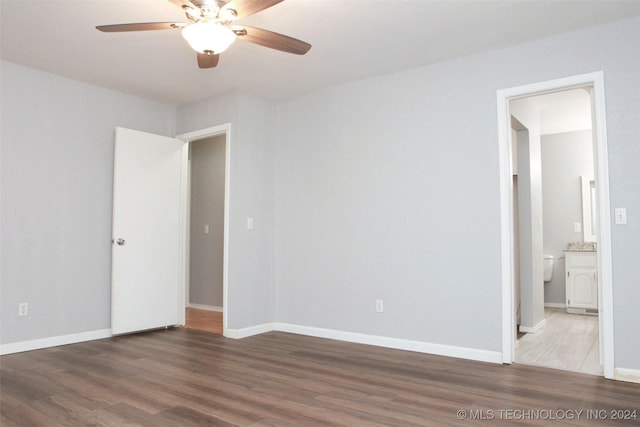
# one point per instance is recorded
(379, 306)
(23, 309)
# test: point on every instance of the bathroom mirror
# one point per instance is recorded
(589, 220)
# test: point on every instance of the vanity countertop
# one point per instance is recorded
(581, 247)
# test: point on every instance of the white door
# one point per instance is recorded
(147, 251)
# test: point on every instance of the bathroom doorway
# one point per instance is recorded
(539, 327)
(553, 155)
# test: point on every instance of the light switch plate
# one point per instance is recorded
(621, 215)
(577, 227)
(379, 306)
(249, 223)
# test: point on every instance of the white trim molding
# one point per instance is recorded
(379, 341)
(555, 305)
(395, 343)
(594, 81)
(629, 375)
(249, 331)
(205, 307)
(354, 337)
(223, 129)
(37, 344)
(534, 329)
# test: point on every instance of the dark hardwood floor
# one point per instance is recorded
(182, 377)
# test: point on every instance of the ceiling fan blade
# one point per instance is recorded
(270, 39)
(249, 7)
(140, 26)
(207, 61)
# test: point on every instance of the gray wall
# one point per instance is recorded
(529, 233)
(530, 219)
(57, 172)
(206, 249)
(389, 188)
(565, 158)
(382, 188)
(251, 285)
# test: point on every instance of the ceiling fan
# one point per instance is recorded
(210, 29)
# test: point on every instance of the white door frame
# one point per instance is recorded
(605, 301)
(224, 129)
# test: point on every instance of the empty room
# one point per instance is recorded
(248, 212)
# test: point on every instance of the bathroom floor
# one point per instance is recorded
(567, 341)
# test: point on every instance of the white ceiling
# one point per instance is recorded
(352, 39)
(564, 111)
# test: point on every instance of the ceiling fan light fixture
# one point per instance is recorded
(206, 37)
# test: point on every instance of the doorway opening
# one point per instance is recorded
(594, 83)
(206, 233)
(206, 185)
(555, 248)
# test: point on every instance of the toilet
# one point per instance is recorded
(548, 268)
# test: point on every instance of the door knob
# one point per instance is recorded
(120, 242)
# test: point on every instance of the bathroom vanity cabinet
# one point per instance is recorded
(581, 282)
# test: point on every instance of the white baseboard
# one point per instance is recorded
(629, 375)
(37, 344)
(396, 343)
(205, 307)
(248, 332)
(620, 374)
(555, 305)
(534, 329)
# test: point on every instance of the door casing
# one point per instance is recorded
(605, 301)
(224, 129)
